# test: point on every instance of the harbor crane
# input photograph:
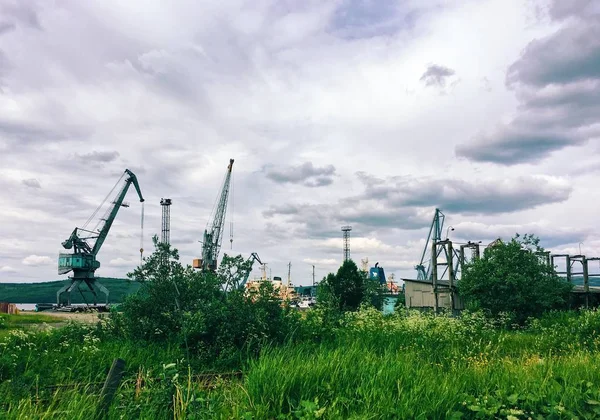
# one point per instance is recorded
(87, 243)
(253, 257)
(213, 235)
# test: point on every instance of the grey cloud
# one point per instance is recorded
(97, 156)
(557, 81)
(286, 210)
(569, 55)
(29, 132)
(562, 9)
(325, 221)
(400, 203)
(550, 236)
(368, 179)
(509, 146)
(436, 75)
(484, 197)
(7, 27)
(32, 183)
(306, 174)
(385, 217)
(4, 63)
(23, 12)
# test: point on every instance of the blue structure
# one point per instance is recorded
(377, 273)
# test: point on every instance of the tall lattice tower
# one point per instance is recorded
(165, 236)
(346, 232)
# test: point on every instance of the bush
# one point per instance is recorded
(204, 312)
(511, 278)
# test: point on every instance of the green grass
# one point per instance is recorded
(23, 321)
(45, 292)
(372, 367)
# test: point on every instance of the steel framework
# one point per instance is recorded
(346, 234)
(165, 236)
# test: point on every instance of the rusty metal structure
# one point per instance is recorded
(442, 264)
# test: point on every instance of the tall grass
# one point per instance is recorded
(371, 366)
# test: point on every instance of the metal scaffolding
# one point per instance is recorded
(165, 236)
(346, 232)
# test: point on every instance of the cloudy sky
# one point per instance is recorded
(362, 112)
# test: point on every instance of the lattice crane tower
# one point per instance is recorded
(165, 236)
(346, 232)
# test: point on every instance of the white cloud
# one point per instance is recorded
(37, 260)
(7, 269)
(173, 91)
(121, 262)
(322, 261)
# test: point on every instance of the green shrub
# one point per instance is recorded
(511, 278)
(203, 312)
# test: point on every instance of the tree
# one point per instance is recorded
(348, 289)
(511, 277)
(233, 270)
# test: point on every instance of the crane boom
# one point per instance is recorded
(435, 234)
(211, 243)
(132, 179)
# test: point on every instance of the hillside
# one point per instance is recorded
(45, 292)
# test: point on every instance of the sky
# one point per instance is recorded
(343, 112)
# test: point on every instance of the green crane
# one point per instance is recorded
(253, 257)
(211, 242)
(87, 243)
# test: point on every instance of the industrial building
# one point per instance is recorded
(419, 294)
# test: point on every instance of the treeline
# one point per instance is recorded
(45, 292)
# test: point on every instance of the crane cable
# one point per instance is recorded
(109, 209)
(142, 236)
(103, 201)
(232, 210)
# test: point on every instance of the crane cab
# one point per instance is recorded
(76, 262)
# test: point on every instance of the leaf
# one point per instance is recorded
(319, 412)
(593, 402)
(513, 398)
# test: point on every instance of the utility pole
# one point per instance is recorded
(313, 283)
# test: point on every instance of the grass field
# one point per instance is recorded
(23, 321)
(372, 367)
(45, 292)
